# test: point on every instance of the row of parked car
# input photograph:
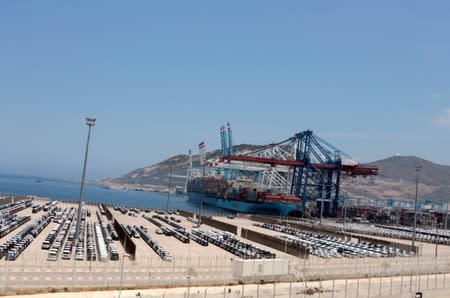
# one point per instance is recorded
(61, 215)
(120, 209)
(11, 223)
(57, 235)
(102, 209)
(98, 238)
(41, 224)
(327, 246)
(58, 220)
(107, 236)
(228, 242)
(174, 230)
(422, 235)
(71, 240)
(101, 245)
(36, 208)
(54, 250)
(90, 244)
(16, 245)
(164, 254)
(172, 221)
(131, 231)
(79, 249)
(48, 241)
(191, 236)
(67, 250)
(112, 232)
(14, 207)
(49, 205)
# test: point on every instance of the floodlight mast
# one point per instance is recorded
(418, 168)
(89, 122)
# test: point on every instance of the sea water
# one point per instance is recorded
(61, 190)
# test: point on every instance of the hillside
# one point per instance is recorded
(404, 167)
(396, 179)
(157, 176)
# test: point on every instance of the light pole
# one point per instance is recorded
(345, 208)
(437, 239)
(446, 216)
(89, 122)
(168, 192)
(321, 197)
(418, 167)
(189, 285)
(121, 273)
(201, 199)
(202, 156)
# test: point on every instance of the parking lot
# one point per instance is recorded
(170, 248)
(157, 234)
(326, 246)
(55, 240)
(398, 232)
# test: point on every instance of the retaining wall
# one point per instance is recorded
(220, 225)
(124, 238)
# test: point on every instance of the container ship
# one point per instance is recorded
(240, 195)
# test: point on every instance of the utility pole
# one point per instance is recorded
(201, 200)
(446, 216)
(202, 156)
(418, 167)
(121, 273)
(345, 207)
(322, 197)
(437, 239)
(89, 122)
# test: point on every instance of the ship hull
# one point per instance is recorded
(267, 207)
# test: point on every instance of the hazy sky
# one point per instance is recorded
(371, 77)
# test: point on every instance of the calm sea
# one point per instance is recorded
(69, 191)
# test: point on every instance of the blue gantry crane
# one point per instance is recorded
(311, 166)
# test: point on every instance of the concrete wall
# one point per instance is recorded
(260, 269)
(185, 213)
(220, 225)
(212, 222)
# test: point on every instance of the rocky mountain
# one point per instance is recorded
(396, 179)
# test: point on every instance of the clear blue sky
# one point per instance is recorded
(371, 77)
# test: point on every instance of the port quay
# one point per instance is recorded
(131, 252)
